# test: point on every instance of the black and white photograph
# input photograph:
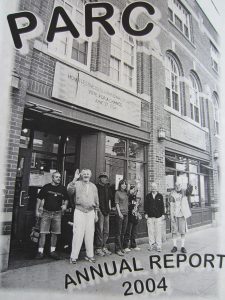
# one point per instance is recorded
(112, 149)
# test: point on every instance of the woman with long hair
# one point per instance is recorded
(133, 217)
(121, 201)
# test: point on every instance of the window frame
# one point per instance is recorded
(195, 89)
(189, 172)
(216, 113)
(172, 76)
(214, 57)
(52, 48)
(126, 159)
(176, 10)
(124, 64)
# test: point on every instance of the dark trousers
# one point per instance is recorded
(121, 225)
(101, 230)
(131, 235)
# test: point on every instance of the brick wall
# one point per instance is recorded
(156, 155)
(39, 67)
(37, 71)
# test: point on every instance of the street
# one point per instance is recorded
(134, 267)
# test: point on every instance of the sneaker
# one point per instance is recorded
(126, 250)
(174, 249)
(183, 250)
(136, 249)
(54, 255)
(90, 259)
(158, 249)
(39, 255)
(120, 253)
(99, 252)
(73, 261)
(106, 251)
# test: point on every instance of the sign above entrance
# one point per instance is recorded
(86, 91)
(186, 132)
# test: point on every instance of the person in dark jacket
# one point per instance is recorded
(133, 218)
(154, 212)
(102, 226)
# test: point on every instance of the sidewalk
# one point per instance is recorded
(185, 281)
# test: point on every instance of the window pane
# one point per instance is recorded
(192, 112)
(193, 180)
(136, 150)
(79, 51)
(204, 189)
(46, 142)
(193, 168)
(136, 176)
(74, 54)
(175, 101)
(182, 178)
(82, 47)
(186, 31)
(82, 58)
(197, 114)
(115, 146)
(43, 162)
(170, 180)
(71, 144)
(217, 127)
(168, 100)
(170, 14)
(178, 23)
(114, 68)
(128, 75)
(115, 168)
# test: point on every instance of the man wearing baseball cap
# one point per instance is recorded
(102, 226)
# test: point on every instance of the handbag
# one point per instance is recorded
(35, 232)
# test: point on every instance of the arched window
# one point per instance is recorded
(195, 89)
(216, 113)
(172, 83)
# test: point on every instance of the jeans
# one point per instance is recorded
(101, 230)
(121, 225)
(131, 235)
(51, 221)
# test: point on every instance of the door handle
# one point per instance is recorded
(21, 197)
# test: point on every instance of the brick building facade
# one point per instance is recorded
(172, 83)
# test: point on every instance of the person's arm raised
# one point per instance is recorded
(71, 186)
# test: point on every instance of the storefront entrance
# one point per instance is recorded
(45, 146)
(48, 144)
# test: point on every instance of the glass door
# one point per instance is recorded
(21, 197)
(40, 154)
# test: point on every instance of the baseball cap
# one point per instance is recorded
(103, 174)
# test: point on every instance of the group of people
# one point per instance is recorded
(92, 205)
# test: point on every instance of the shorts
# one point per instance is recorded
(51, 220)
(179, 226)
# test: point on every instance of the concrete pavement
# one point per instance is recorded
(185, 281)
